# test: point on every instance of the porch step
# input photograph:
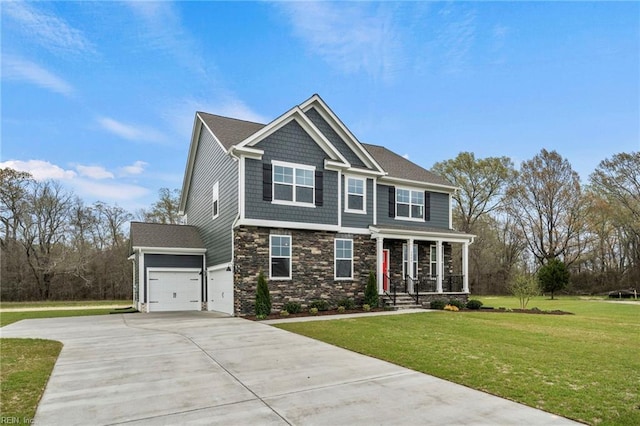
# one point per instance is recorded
(403, 301)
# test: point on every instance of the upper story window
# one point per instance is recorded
(293, 183)
(355, 198)
(215, 205)
(409, 204)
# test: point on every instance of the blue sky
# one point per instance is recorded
(102, 95)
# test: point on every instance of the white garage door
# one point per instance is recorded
(174, 290)
(220, 291)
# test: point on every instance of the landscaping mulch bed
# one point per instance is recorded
(520, 311)
(319, 314)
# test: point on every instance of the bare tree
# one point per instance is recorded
(547, 205)
(166, 209)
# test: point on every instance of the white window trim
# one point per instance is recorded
(410, 219)
(215, 197)
(416, 262)
(433, 248)
(271, 277)
(346, 195)
(335, 260)
(294, 166)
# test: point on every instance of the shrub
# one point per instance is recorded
(438, 304)
(284, 313)
(263, 298)
(261, 317)
(453, 308)
(524, 287)
(320, 304)
(366, 307)
(313, 311)
(292, 307)
(347, 303)
(457, 303)
(341, 309)
(371, 291)
(474, 304)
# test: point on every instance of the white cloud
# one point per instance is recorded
(39, 169)
(134, 169)
(163, 31)
(94, 172)
(115, 191)
(130, 131)
(46, 29)
(352, 37)
(14, 68)
(405, 156)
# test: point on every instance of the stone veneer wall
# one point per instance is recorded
(312, 267)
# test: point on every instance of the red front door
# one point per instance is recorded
(385, 270)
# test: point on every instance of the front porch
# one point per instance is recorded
(422, 264)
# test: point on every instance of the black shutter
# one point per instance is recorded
(427, 206)
(392, 201)
(267, 191)
(319, 188)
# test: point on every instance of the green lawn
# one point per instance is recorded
(7, 318)
(584, 366)
(57, 303)
(26, 367)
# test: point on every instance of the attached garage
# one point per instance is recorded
(168, 267)
(174, 289)
(220, 290)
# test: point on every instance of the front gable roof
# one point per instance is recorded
(229, 131)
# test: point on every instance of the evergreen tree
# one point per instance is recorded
(371, 291)
(263, 298)
(553, 276)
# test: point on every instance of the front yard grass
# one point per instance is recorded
(584, 366)
(7, 318)
(26, 367)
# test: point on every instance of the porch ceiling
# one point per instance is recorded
(422, 233)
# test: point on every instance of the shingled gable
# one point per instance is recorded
(399, 167)
(229, 131)
(165, 236)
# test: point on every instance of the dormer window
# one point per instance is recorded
(355, 195)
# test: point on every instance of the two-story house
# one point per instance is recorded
(305, 202)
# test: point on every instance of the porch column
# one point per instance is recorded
(379, 261)
(410, 271)
(439, 266)
(465, 267)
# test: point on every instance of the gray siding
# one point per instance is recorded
(170, 261)
(212, 164)
(355, 220)
(333, 137)
(439, 210)
(291, 144)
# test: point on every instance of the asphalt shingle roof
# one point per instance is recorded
(229, 131)
(399, 167)
(164, 235)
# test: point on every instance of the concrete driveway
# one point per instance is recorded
(203, 368)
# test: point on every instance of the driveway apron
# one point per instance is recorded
(204, 368)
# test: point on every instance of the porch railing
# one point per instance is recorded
(391, 290)
(452, 283)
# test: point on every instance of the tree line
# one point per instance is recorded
(540, 213)
(54, 246)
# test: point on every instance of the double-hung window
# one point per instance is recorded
(293, 183)
(409, 204)
(355, 199)
(433, 261)
(343, 259)
(405, 260)
(280, 256)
